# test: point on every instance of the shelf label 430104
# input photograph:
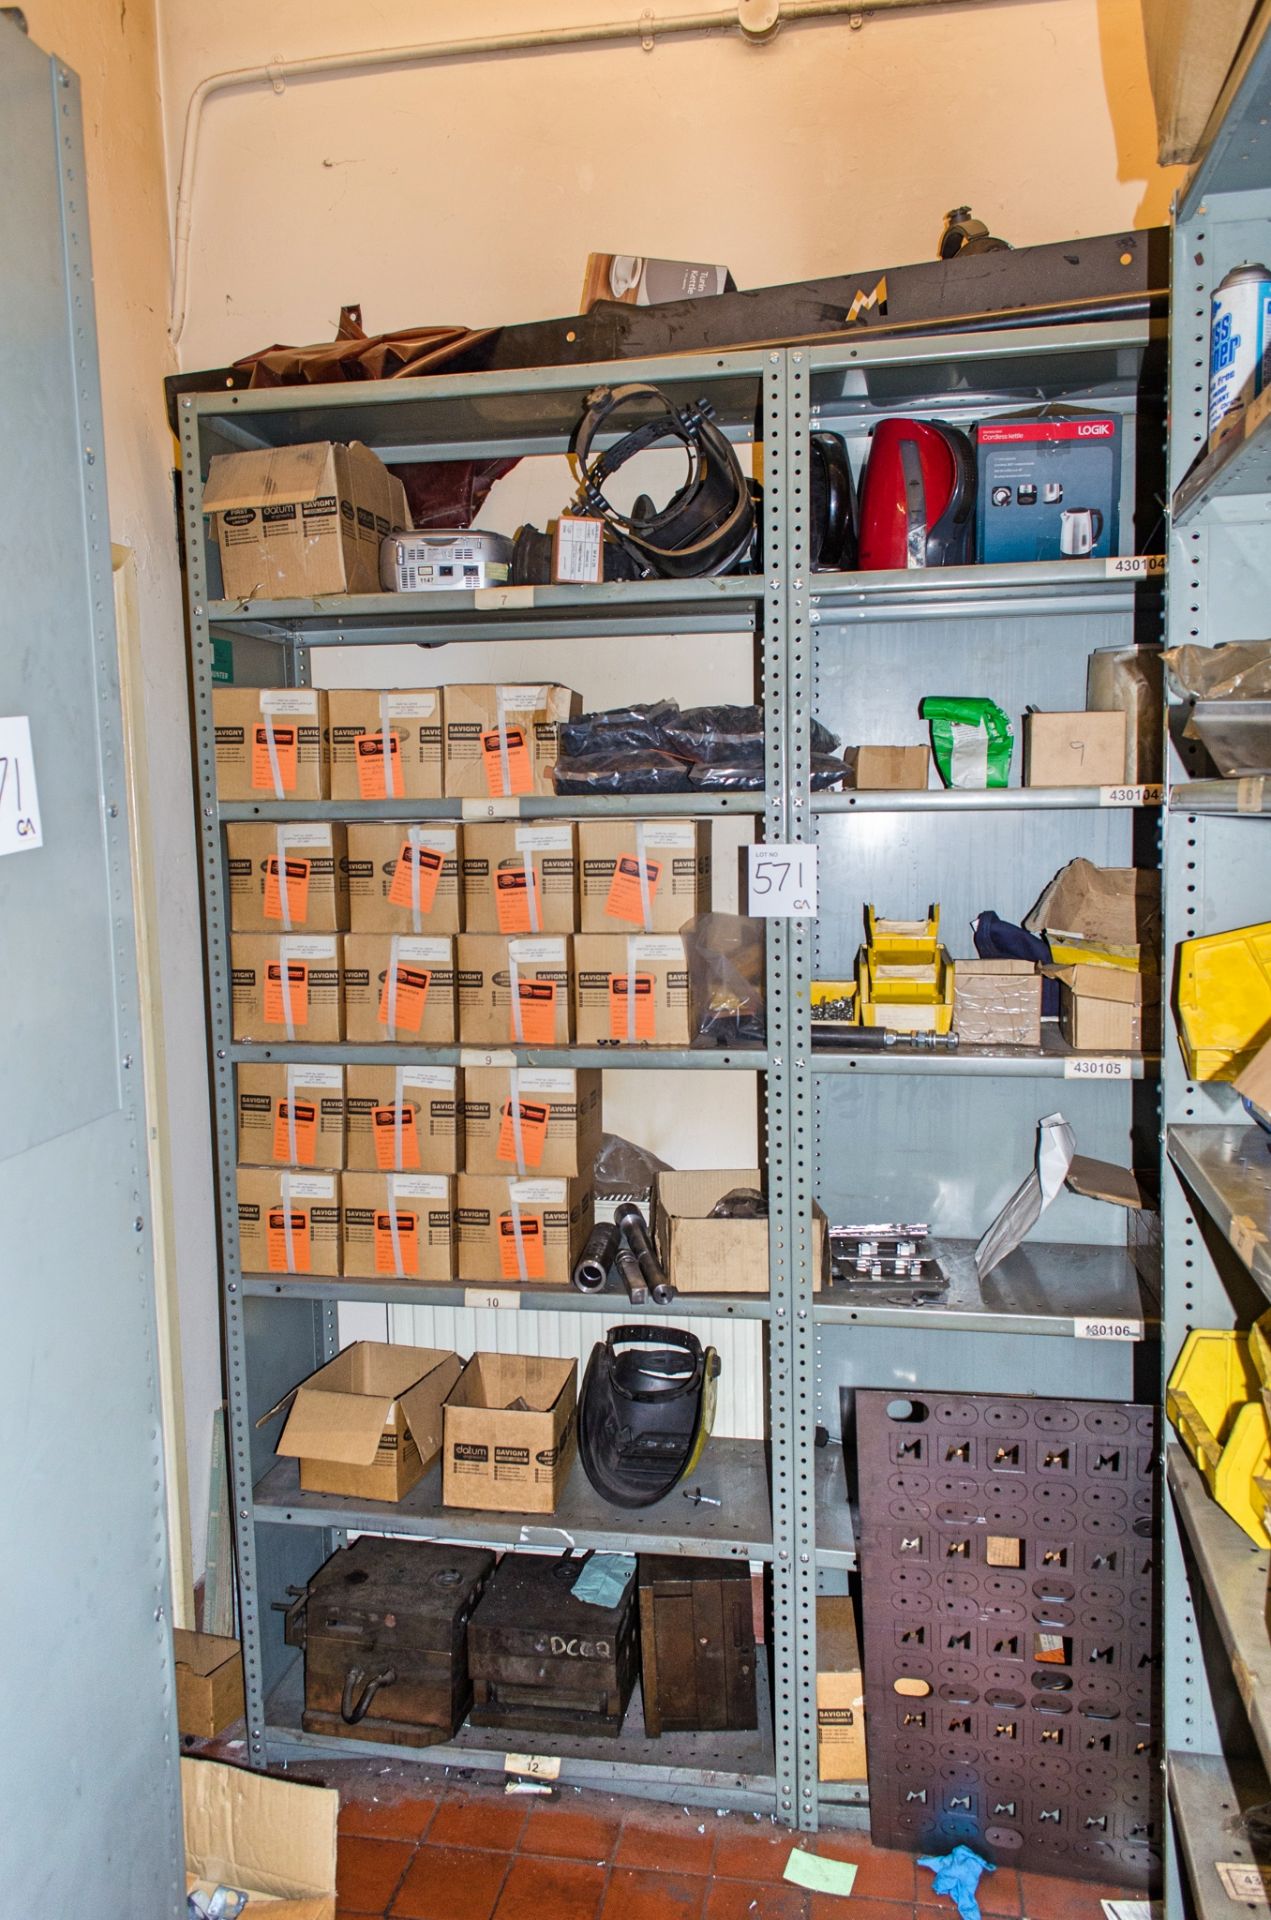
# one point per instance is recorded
(1134, 566)
(782, 881)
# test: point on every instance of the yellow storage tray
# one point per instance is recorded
(1224, 1000)
(905, 1015)
(908, 980)
(1070, 950)
(1215, 1406)
(824, 993)
(920, 938)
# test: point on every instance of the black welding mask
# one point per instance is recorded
(646, 1408)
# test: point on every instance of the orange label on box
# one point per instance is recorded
(427, 862)
(296, 1120)
(515, 892)
(286, 741)
(407, 1242)
(534, 1116)
(624, 902)
(276, 1240)
(385, 1131)
(520, 773)
(631, 1006)
(537, 1002)
(369, 751)
(295, 1006)
(412, 993)
(294, 882)
(531, 1249)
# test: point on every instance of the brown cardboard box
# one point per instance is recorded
(290, 1116)
(266, 1197)
(405, 879)
(248, 720)
(554, 1218)
(639, 281)
(1074, 749)
(1190, 47)
(423, 1205)
(506, 1461)
(412, 975)
(1131, 680)
(997, 1003)
(360, 717)
(209, 1671)
(530, 716)
(840, 1691)
(309, 1006)
(368, 1424)
(541, 1012)
(1108, 915)
(287, 877)
(702, 1255)
(896, 769)
(267, 1837)
(404, 1119)
(656, 1014)
(676, 857)
(559, 1114)
(294, 522)
(520, 878)
(1108, 1009)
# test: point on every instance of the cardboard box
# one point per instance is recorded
(404, 1119)
(553, 1216)
(405, 879)
(504, 740)
(504, 1460)
(632, 990)
(209, 1671)
(676, 858)
(368, 1424)
(399, 988)
(638, 281)
(287, 877)
(1108, 1009)
(889, 769)
(270, 1196)
(1048, 485)
(294, 522)
(840, 1691)
(559, 1116)
(537, 1012)
(290, 1116)
(1074, 749)
(271, 1838)
(1131, 680)
(997, 1003)
(271, 743)
(702, 1255)
(287, 986)
(520, 878)
(360, 719)
(422, 1205)
(1107, 915)
(1190, 47)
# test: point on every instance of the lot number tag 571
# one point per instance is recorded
(783, 881)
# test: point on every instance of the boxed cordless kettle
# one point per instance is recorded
(1049, 485)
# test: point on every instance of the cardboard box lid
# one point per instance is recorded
(248, 1830)
(690, 1195)
(491, 1380)
(273, 476)
(202, 1653)
(1117, 904)
(339, 1413)
(1105, 983)
(986, 969)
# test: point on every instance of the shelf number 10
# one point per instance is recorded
(783, 881)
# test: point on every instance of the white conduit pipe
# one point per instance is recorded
(758, 20)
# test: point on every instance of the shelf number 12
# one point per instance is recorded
(783, 881)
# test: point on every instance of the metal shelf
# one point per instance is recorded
(998, 590)
(528, 1299)
(974, 800)
(1248, 798)
(1238, 467)
(1234, 1575)
(1047, 1062)
(674, 806)
(835, 1521)
(1040, 1288)
(1229, 1170)
(733, 1472)
(1210, 1800)
(344, 1053)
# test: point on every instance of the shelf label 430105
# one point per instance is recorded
(1099, 1066)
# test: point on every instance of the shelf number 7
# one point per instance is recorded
(782, 881)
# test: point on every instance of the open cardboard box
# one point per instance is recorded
(511, 1433)
(702, 1255)
(368, 1424)
(1106, 916)
(209, 1671)
(274, 1840)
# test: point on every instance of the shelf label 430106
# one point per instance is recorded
(782, 881)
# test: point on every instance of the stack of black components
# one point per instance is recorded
(657, 747)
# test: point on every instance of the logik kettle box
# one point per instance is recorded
(1049, 486)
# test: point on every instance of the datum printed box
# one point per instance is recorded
(676, 856)
(368, 1425)
(384, 861)
(499, 1457)
(287, 986)
(559, 1111)
(519, 879)
(296, 521)
(267, 1197)
(543, 970)
(554, 1218)
(290, 1116)
(483, 762)
(360, 718)
(422, 1204)
(404, 1119)
(632, 990)
(246, 720)
(289, 876)
(403, 974)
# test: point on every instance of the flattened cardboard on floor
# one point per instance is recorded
(264, 1836)
(537, 1012)
(504, 740)
(288, 1222)
(368, 1424)
(287, 878)
(405, 878)
(271, 743)
(840, 1691)
(407, 978)
(287, 986)
(295, 522)
(531, 1120)
(521, 1232)
(702, 1255)
(632, 990)
(675, 858)
(520, 878)
(209, 1675)
(404, 1119)
(361, 718)
(505, 1460)
(290, 1116)
(399, 1226)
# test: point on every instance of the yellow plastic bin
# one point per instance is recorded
(905, 1013)
(915, 939)
(1214, 1403)
(1224, 1000)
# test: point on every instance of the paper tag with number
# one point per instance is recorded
(1148, 795)
(1099, 1066)
(536, 1002)
(485, 1298)
(520, 774)
(287, 889)
(386, 1260)
(388, 1125)
(538, 1766)
(783, 881)
(526, 1248)
(1107, 1329)
(428, 862)
(298, 1119)
(20, 830)
(534, 1116)
(1133, 566)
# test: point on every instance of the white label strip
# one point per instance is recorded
(537, 1766)
(481, 1057)
(1099, 1066)
(1149, 795)
(1095, 1329)
(782, 881)
(492, 599)
(1132, 566)
(508, 809)
(483, 1298)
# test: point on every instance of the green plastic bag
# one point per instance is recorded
(972, 740)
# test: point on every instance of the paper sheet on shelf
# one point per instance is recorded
(1055, 1148)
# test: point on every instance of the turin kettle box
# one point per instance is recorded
(290, 1116)
(385, 745)
(295, 522)
(404, 1119)
(368, 1425)
(511, 1433)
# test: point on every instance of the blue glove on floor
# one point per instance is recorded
(958, 1875)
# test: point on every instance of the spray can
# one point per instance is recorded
(1239, 345)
